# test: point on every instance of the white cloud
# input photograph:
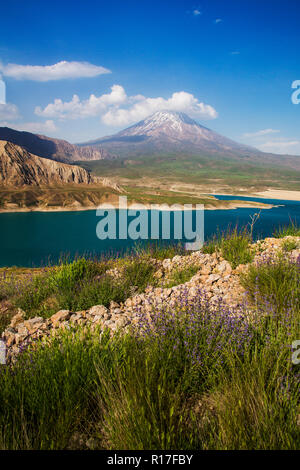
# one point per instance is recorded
(75, 108)
(291, 147)
(261, 133)
(8, 112)
(59, 71)
(197, 12)
(118, 109)
(35, 127)
(235, 53)
(179, 101)
(218, 20)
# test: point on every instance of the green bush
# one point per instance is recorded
(138, 273)
(68, 275)
(93, 292)
(289, 245)
(235, 247)
(181, 275)
(274, 282)
(31, 295)
(291, 229)
(78, 285)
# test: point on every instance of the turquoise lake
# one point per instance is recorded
(37, 238)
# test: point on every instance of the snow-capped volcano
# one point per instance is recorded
(170, 132)
(164, 121)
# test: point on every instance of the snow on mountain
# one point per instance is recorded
(169, 131)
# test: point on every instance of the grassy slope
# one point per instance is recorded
(150, 179)
(199, 170)
(193, 381)
(62, 196)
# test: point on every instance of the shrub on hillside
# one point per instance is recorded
(292, 229)
(274, 282)
(189, 379)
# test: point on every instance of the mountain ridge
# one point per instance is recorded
(51, 148)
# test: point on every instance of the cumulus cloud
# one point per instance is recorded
(118, 109)
(59, 71)
(179, 101)
(76, 108)
(197, 12)
(261, 133)
(8, 112)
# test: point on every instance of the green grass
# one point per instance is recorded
(46, 396)
(275, 282)
(256, 404)
(289, 245)
(161, 251)
(292, 229)
(181, 275)
(235, 248)
(199, 169)
(194, 381)
(80, 284)
(233, 245)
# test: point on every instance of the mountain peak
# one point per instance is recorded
(171, 115)
(174, 118)
(165, 121)
(169, 131)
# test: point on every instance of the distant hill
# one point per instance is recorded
(19, 168)
(54, 149)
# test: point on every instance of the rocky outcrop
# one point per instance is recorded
(215, 284)
(53, 149)
(20, 168)
(214, 279)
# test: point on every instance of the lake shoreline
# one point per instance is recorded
(228, 205)
(277, 194)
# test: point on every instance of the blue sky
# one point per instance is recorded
(81, 70)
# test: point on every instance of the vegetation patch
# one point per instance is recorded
(181, 275)
(188, 377)
(194, 379)
(292, 229)
(274, 282)
(233, 245)
(289, 245)
(79, 284)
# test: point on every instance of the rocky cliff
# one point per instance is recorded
(18, 168)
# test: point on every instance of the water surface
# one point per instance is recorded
(34, 238)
